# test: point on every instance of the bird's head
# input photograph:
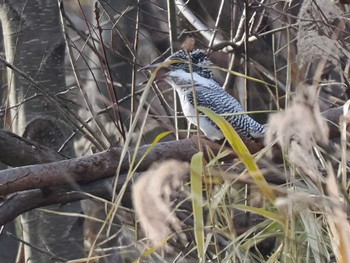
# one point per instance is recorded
(196, 58)
(181, 66)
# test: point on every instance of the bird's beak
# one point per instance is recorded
(162, 72)
(150, 66)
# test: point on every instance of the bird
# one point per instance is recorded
(199, 78)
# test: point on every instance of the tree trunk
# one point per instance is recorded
(34, 43)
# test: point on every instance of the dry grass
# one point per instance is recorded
(216, 216)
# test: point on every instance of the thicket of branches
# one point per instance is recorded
(81, 120)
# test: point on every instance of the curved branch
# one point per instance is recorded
(18, 203)
(94, 167)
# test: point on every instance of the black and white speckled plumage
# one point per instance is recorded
(208, 94)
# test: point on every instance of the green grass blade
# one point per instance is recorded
(153, 144)
(197, 202)
(238, 74)
(263, 212)
(242, 151)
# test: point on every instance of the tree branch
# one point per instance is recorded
(94, 167)
(17, 151)
(61, 174)
(18, 203)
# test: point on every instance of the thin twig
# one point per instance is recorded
(134, 70)
(172, 24)
(77, 78)
(47, 252)
(108, 76)
(195, 22)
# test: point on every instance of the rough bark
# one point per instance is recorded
(17, 151)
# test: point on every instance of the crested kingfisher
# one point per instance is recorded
(183, 77)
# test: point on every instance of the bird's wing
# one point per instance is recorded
(216, 99)
(219, 101)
